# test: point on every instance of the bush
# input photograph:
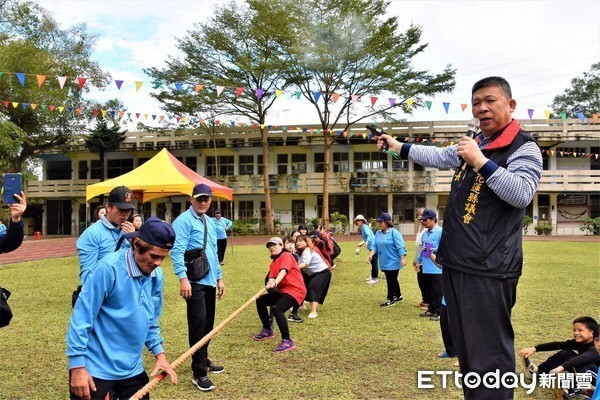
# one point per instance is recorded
(591, 226)
(245, 227)
(340, 222)
(543, 229)
(527, 221)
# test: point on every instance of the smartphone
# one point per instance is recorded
(11, 184)
(375, 131)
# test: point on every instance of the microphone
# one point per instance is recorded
(471, 132)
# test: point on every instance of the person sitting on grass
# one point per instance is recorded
(575, 355)
(317, 276)
(286, 290)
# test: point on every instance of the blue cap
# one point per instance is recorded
(201, 189)
(427, 213)
(155, 232)
(384, 217)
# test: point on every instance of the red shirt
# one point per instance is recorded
(292, 283)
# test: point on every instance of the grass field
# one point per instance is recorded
(354, 349)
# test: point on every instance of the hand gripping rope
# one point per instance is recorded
(160, 376)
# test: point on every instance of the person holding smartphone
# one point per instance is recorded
(15, 231)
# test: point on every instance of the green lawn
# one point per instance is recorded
(354, 349)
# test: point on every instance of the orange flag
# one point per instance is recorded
(335, 97)
(463, 106)
(198, 88)
(41, 79)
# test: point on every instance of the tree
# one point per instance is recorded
(240, 46)
(582, 97)
(32, 43)
(348, 48)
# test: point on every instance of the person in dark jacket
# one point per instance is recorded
(496, 176)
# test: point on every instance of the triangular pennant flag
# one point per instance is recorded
(186, 119)
(464, 106)
(34, 106)
(354, 98)
(121, 113)
(561, 153)
(392, 101)
(156, 85)
(219, 90)
(15, 104)
(137, 115)
(547, 112)
(262, 126)
(581, 116)
(81, 82)
(178, 119)
(428, 104)
(138, 85)
(6, 103)
(112, 114)
(21, 77)
(373, 101)
(43, 106)
(239, 91)
(259, 93)
(119, 83)
(317, 96)
(95, 112)
(297, 94)
(198, 88)
(61, 108)
(446, 106)
(552, 152)
(41, 79)
(79, 110)
(409, 103)
(278, 93)
(563, 115)
(178, 86)
(70, 109)
(530, 112)
(146, 116)
(51, 107)
(1, 73)
(129, 115)
(364, 135)
(61, 81)
(104, 113)
(335, 97)
(161, 118)
(595, 119)
(23, 105)
(153, 117)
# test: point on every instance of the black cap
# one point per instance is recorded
(384, 217)
(201, 189)
(314, 234)
(427, 213)
(155, 232)
(122, 198)
(217, 211)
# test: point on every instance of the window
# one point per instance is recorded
(142, 160)
(595, 162)
(405, 206)
(246, 165)
(58, 170)
(261, 165)
(82, 170)
(399, 165)
(367, 162)
(226, 166)
(298, 212)
(175, 211)
(298, 163)
(544, 207)
(341, 162)
(95, 170)
(319, 162)
(246, 209)
(191, 163)
(119, 167)
(282, 161)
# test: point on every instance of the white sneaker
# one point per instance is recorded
(313, 314)
(372, 281)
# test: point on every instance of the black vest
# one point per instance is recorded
(482, 234)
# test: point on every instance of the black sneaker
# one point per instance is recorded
(203, 383)
(294, 318)
(213, 368)
(387, 303)
(398, 299)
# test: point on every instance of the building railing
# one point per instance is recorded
(340, 183)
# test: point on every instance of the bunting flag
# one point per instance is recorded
(446, 106)
(239, 91)
(547, 113)
(317, 96)
(15, 104)
(21, 77)
(60, 109)
(198, 88)
(563, 115)
(373, 101)
(81, 82)
(278, 93)
(428, 104)
(463, 106)
(156, 85)
(298, 94)
(138, 85)
(335, 97)
(41, 79)
(392, 101)
(354, 98)
(259, 93)
(119, 83)
(219, 90)
(530, 113)
(581, 117)
(409, 103)
(595, 118)
(178, 86)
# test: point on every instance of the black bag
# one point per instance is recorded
(195, 260)
(75, 296)
(5, 311)
(336, 250)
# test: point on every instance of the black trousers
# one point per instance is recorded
(479, 311)
(201, 319)
(393, 286)
(374, 267)
(421, 284)
(432, 283)
(120, 389)
(221, 247)
(279, 303)
(559, 358)
(446, 335)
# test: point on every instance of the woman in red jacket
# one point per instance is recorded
(286, 290)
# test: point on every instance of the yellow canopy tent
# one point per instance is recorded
(161, 176)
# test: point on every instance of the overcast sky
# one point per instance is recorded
(539, 46)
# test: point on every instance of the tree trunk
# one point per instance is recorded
(325, 210)
(265, 151)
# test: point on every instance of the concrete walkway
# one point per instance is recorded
(33, 249)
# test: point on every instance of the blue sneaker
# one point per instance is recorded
(265, 334)
(285, 345)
